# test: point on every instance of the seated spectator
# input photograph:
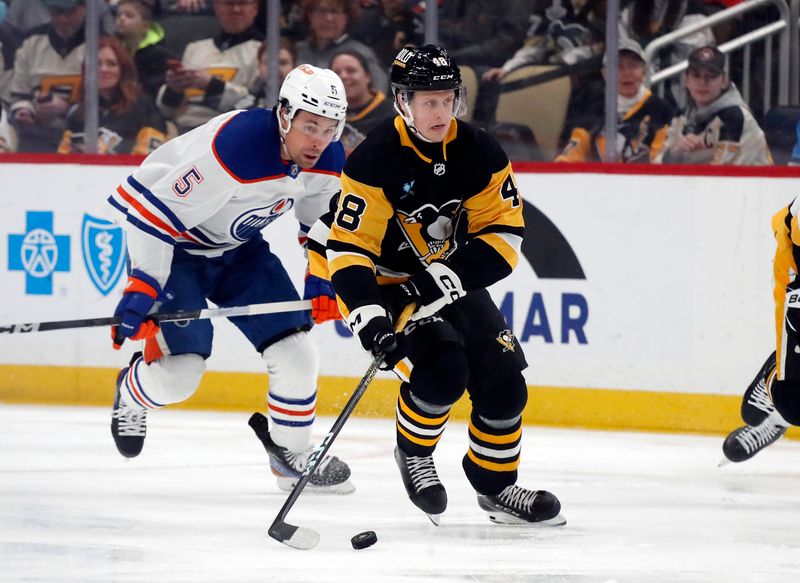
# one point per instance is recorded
(215, 73)
(642, 117)
(560, 33)
(47, 73)
(129, 122)
(716, 127)
(258, 91)
(327, 35)
(366, 106)
(144, 39)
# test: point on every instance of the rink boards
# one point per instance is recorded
(641, 300)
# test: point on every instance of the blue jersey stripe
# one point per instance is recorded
(142, 226)
(151, 198)
(112, 201)
(292, 423)
(286, 401)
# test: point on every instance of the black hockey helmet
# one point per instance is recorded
(427, 68)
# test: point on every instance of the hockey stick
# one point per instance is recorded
(251, 310)
(301, 537)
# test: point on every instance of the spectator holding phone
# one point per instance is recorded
(47, 73)
(214, 73)
(144, 39)
(130, 123)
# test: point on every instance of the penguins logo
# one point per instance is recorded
(506, 340)
(429, 229)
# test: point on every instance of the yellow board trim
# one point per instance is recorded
(495, 467)
(606, 409)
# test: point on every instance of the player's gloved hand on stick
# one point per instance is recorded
(323, 299)
(431, 290)
(375, 331)
(137, 300)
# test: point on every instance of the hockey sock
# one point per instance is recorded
(170, 379)
(419, 424)
(493, 456)
(292, 363)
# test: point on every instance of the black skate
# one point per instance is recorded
(747, 441)
(331, 475)
(128, 425)
(756, 404)
(422, 484)
(515, 505)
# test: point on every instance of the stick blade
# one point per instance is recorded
(297, 537)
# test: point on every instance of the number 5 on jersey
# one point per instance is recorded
(349, 216)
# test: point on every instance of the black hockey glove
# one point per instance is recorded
(374, 329)
(397, 296)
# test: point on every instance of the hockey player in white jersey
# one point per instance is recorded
(193, 214)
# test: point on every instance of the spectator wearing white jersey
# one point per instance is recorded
(214, 73)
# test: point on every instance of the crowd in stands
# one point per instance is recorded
(167, 66)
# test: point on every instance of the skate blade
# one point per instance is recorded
(508, 520)
(723, 462)
(288, 484)
(436, 519)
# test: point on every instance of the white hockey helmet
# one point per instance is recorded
(315, 90)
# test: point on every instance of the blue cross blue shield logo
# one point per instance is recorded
(103, 246)
(38, 252)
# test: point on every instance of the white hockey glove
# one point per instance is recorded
(433, 289)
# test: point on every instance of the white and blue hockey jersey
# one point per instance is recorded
(217, 186)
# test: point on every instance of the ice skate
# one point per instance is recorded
(756, 403)
(745, 442)
(422, 484)
(128, 425)
(515, 505)
(332, 475)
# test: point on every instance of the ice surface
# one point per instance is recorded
(196, 505)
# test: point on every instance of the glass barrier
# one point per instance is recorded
(533, 72)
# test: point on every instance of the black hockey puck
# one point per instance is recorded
(364, 539)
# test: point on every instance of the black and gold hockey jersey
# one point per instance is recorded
(641, 132)
(406, 203)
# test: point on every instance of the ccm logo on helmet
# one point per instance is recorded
(442, 77)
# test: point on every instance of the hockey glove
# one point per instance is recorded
(374, 329)
(435, 288)
(137, 300)
(398, 296)
(323, 299)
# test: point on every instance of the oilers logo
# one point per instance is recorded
(506, 340)
(249, 223)
(103, 246)
(429, 230)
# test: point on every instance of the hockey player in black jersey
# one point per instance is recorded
(429, 213)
